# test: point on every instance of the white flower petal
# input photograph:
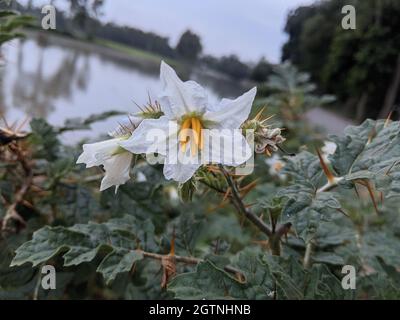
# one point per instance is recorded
(180, 98)
(232, 113)
(94, 154)
(117, 170)
(151, 136)
(180, 172)
(226, 146)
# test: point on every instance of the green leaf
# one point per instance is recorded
(45, 140)
(186, 190)
(328, 258)
(81, 243)
(116, 262)
(305, 206)
(370, 151)
(322, 284)
(207, 282)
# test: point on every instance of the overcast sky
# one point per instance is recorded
(249, 28)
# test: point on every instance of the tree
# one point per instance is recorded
(261, 71)
(84, 12)
(189, 46)
(362, 66)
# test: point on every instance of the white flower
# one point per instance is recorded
(276, 165)
(115, 160)
(186, 107)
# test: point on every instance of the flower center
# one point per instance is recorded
(191, 132)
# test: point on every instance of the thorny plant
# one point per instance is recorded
(291, 236)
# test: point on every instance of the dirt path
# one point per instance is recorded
(332, 123)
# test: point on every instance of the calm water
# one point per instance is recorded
(60, 80)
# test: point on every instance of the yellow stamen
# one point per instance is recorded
(196, 129)
(194, 124)
(201, 138)
(183, 133)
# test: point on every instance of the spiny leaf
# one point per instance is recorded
(118, 261)
(207, 282)
(118, 238)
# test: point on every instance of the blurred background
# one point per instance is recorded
(105, 55)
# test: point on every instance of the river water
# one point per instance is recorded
(60, 78)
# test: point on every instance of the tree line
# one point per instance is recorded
(362, 66)
(82, 21)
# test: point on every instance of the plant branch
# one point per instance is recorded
(11, 212)
(188, 260)
(239, 205)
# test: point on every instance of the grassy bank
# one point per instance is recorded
(135, 52)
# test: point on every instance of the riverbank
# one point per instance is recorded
(105, 48)
(143, 60)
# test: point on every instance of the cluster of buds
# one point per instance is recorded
(266, 138)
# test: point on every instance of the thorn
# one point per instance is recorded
(27, 118)
(371, 135)
(249, 186)
(240, 179)
(5, 122)
(391, 167)
(220, 206)
(371, 194)
(356, 190)
(247, 206)
(258, 115)
(226, 195)
(388, 119)
(13, 125)
(266, 119)
(131, 122)
(328, 173)
(139, 107)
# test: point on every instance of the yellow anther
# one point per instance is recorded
(196, 130)
(193, 124)
(183, 137)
